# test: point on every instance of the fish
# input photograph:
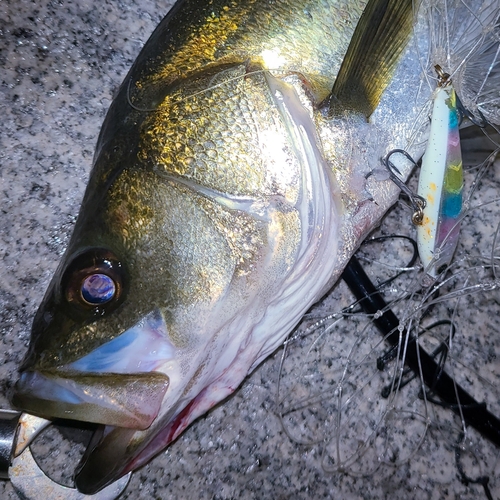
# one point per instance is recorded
(230, 188)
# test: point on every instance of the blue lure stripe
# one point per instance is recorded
(452, 206)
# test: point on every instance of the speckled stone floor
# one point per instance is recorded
(61, 62)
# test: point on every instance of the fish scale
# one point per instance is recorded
(246, 161)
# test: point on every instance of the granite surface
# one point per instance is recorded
(61, 62)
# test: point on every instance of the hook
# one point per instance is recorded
(417, 202)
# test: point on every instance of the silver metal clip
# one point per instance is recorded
(17, 432)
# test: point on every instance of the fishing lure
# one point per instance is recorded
(441, 181)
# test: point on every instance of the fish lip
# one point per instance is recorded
(119, 400)
(121, 383)
(99, 467)
(82, 483)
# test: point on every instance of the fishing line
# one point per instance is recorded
(474, 413)
(211, 86)
(464, 478)
(431, 352)
(354, 366)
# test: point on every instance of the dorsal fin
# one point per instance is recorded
(379, 39)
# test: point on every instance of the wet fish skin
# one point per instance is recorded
(215, 264)
(174, 59)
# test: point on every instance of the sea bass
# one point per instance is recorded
(232, 181)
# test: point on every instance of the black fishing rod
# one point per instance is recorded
(417, 359)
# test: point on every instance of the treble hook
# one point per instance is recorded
(417, 202)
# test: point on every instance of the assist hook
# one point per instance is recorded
(417, 202)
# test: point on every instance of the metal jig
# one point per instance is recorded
(441, 181)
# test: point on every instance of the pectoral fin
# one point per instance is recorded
(379, 39)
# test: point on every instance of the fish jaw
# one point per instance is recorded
(101, 398)
(117, 451)
(117, 384)
(122, 383)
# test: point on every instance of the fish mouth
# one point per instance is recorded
(121, 383)
(124, 385)
(120, 400)
(125, 406)
(137, 388)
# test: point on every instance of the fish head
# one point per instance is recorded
(190, 261)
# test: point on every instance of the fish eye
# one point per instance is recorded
(94, 280)
(98, 288)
